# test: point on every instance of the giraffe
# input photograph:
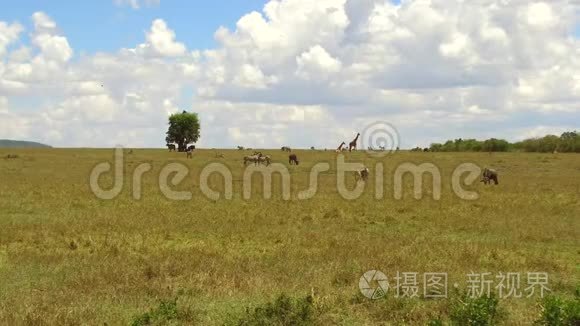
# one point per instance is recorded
(352, 144)
(339, 149)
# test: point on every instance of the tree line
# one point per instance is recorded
(568, 142)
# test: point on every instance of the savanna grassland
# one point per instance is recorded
(69, 258)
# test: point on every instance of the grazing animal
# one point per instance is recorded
(266, 159)
(189, 153)
(339, 149)
(191, 148)
(219, 155)
(11, 156)
(286, 149)
(292, 159)
(252, 159)
(352, 144)
(171, 147)
(312, 148)
(362, 174)
(240, 148)
(382, 148)
(489, 175)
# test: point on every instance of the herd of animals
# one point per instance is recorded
(258, 158)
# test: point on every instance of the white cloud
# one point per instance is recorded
(317, 62)
(9, 33)
(307, 73)
(52, 46)
(161, 41)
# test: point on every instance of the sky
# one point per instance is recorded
(267, 73)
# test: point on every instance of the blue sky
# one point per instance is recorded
(93, 26)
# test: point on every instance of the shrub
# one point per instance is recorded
(556, 311)
(435, 322)
(165, 312)
(475, 311)
(283, 311)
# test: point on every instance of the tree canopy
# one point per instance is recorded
(183, 129)
(567, 142)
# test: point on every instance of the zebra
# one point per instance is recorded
(266, 159)
(252, 158)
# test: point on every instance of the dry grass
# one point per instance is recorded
(69, 258)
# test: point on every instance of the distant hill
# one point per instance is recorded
(7, 143)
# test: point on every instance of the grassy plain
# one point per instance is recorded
(69, 258)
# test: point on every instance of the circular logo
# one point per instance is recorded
(380, 138)
(373, 284)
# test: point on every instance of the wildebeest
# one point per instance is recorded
(191, 148)
(241, 148)
(488, 175)
(362, 174)
(286, 149)
(189, 153)
(171, 147)
(292, 159)
(312, 148)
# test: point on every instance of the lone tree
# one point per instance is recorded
(183, 129)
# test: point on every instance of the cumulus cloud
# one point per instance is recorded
(160, 41)
(309, 73)
(9, 33)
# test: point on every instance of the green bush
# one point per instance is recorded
(283, 311)
(166, 311)
(435, 322)
(556, 311)
(481, 311)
